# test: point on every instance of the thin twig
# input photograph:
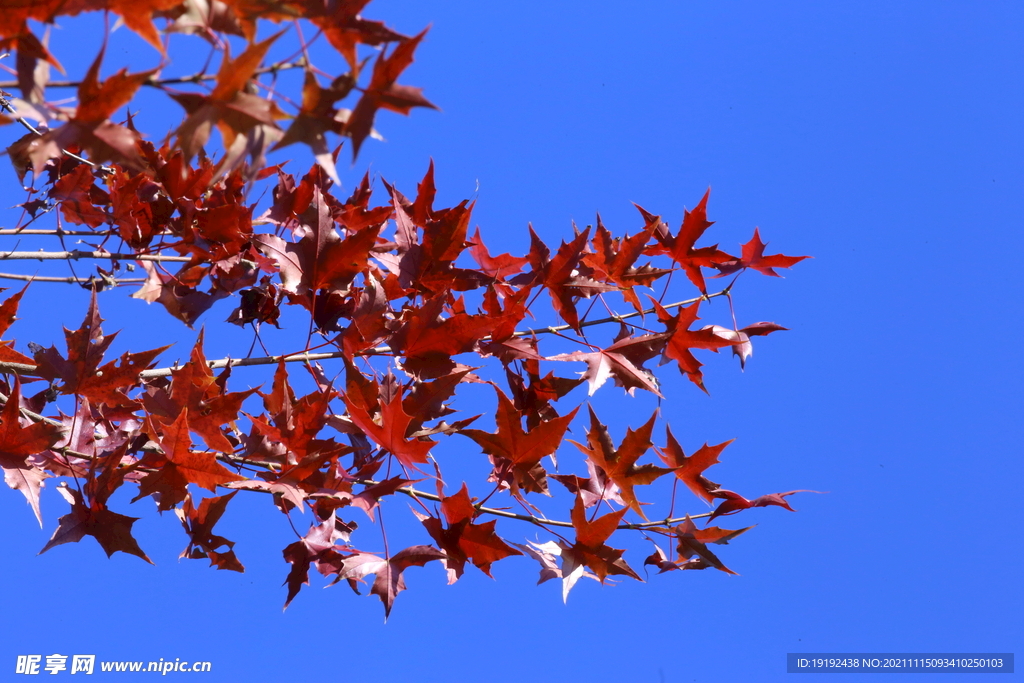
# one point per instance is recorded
(6, 106)
(617, 318)
(497, 512)
(57, 233)
(110, 282)
(78, 254)
(160, 82)
(89, 233)
(21, 368)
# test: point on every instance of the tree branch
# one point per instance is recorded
(407, 490)
(23, 369)
(6, 106)
(58, 233)
(617, 318)
(112, 282)
(76, 255)
(197, 77)
(540, 521)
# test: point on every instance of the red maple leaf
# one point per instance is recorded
(753, 256)
(318, 545)
(742, 346)
(345, 29)
(623, 361)
(534, 398)
(680, 247)
(693, 542)
(613, 260)
(428, 341)
(690, 469)
(590, 551)
(620, 464)
(734, 502)
(111, 530)
(369, 498)
(316, 117)
(18, 443)
(15, 14)
(202, 542)
(90, 128)
(138, 206)
(389, 581)
(384, 93)
(355, 213)
(136, 14)
(683, 339)
(462, 540)
(390, 433)
(234, 111)
(77, 194)
(81, 372)
(178, 466)
(692, 539)
(428, 265)
(560, 275)
(320, 262)
(8, 313)
(594, 489)
(195, 387)
(296, 423)
(499, 267)
(297, 483)
(516, 454)
(181, 300)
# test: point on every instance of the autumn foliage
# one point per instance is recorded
(406, 305)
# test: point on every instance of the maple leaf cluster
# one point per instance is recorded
(247, 122)
(408, 310)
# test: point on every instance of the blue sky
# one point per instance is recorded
(883, 140)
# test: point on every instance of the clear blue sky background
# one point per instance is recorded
(886, 141)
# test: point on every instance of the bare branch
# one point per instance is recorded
(58, 233)
(76, 255)
(110, 282)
